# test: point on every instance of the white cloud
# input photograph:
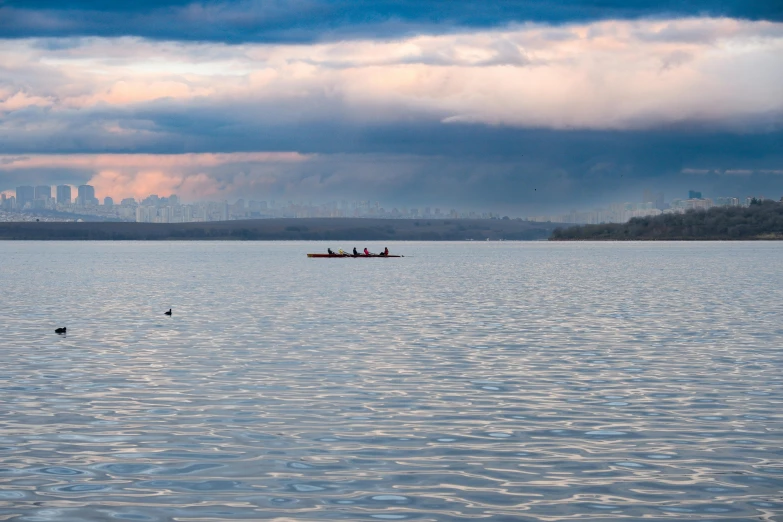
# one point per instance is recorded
(604, 75)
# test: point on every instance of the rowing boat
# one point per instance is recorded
(348, 255)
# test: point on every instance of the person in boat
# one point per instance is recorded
(367, 252)
(342, 252)
(355, 252)
(330, 252)
(386, 251)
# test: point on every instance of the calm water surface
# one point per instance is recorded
(469, 381)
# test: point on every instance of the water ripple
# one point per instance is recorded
(514, 381)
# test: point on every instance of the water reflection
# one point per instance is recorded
(503, 381)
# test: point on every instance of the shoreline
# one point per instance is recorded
(762, 220)
(285, 229)
(678, 239)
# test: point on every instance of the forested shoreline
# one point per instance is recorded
(313, 229)
(760, 220)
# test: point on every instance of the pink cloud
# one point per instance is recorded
(191, 176)
(14, 101)
(141, 184)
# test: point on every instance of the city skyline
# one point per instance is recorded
(173, 209)
(713, 182)
(555, 208)
(154, 208)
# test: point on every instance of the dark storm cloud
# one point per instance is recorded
(314, 20)
(9, 179)
(474, 166)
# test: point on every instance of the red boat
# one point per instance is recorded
(348, 255)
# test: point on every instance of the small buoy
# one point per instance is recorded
(60, 330)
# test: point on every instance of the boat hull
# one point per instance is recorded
(349, 256)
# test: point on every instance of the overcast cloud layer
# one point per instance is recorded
(456, 109)
(238, 21)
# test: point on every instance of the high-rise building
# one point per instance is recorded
(86, 195)
(108, 202)
(146, 214)
(692, 194)
(656, 198)
(24, 195)
(63, 194)
(727, 202)
(151, 201)
(43, 192)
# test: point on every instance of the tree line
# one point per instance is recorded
(759, 220)
(272, 229)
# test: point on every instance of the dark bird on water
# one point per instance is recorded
(169, 312)
(60, 330)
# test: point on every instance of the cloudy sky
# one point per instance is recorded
(518, 106)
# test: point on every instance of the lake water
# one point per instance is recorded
(466, 381)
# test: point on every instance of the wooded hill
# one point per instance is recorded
(760, 220)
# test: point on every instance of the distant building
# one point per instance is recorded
(656, 198)
(692, 194)
(43, 192)
(700, 203)
(146, 214)
(108, 202)
(151, 201)
(24, 195)
(63, 194)
(86, 196)
(727, 202)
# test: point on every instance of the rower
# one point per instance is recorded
(342, 252)
(386, 251)
(367, 252)
(330, 251)
(355, 253)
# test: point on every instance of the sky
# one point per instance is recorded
(522, 107)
